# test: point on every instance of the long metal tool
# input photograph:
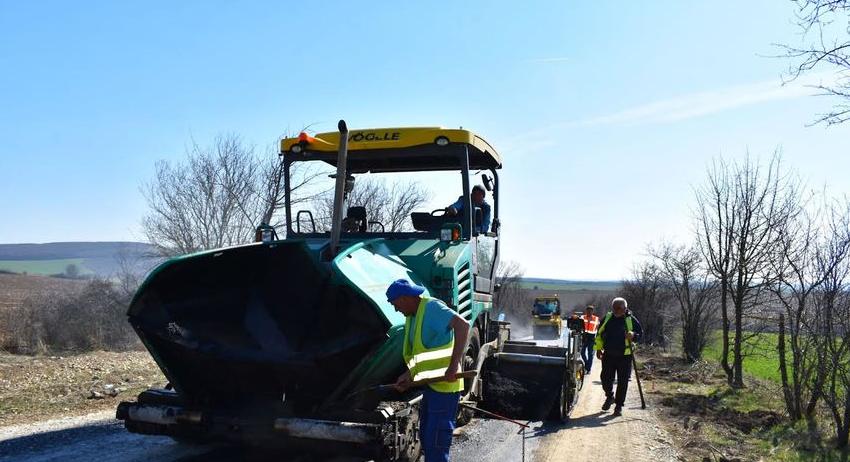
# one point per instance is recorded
(522, 426)
(493, 415)
(637, 377)
(339, 191)
(415, 384)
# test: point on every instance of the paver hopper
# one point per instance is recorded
(531, 381)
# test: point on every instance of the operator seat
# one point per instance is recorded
(424, 221)
(355, 220)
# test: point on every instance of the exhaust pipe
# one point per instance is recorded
(339, 192)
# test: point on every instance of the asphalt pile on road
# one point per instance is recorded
(520, 393)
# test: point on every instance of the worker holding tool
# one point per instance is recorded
(588, 338)
(434, 342)
(614, 346)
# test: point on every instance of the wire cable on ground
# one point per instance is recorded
(523, 426)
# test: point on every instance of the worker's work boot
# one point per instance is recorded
(609, 400)
(618, 411)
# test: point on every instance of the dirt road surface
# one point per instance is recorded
(593, 434)
(590, 433)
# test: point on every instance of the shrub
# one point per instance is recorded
(90, 318)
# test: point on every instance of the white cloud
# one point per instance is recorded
(711, 102)
(675, 109)
(557, 59)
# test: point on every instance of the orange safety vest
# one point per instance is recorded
(590, 323)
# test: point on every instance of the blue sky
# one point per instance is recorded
(606, 113)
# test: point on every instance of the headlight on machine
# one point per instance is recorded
(450, 232)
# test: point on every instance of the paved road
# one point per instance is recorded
(105, 440)
(99, 437)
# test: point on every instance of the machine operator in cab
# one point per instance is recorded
(478, 194)
(434, 342)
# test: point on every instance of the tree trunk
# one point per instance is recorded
(790, 403)
(724, 310)
(737, 357)
(817, 393)
(844, 428)
(691, 341)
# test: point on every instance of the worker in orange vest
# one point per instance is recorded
(591, 324)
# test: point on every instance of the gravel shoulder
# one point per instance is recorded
(36, 388)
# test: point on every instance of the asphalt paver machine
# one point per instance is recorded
(266, 343)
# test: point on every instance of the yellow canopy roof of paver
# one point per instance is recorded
(395, 149)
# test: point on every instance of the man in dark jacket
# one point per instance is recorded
(614, 345)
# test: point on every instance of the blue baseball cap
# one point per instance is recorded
(401, 287)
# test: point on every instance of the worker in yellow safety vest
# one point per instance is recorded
(591, 323)
(614, 346)
(434, 342)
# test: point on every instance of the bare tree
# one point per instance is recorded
(72, 271)
(649, 300)
(831, 323)
(510, 293)
(716, 221)
(805, 260)
(825, 26)
(217, 197)
(131, 267)
(694, 290)
(601, 301)
(512, 299)
(387, 204)
(742, 212)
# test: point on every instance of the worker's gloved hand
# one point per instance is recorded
(630, 335)
(451, 211)
(599, 354)
(403, 382)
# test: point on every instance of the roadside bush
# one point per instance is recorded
(90, 318)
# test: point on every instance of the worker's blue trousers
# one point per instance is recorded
(436, 424)
(587, 350)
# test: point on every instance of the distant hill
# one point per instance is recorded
(568, 285)
(91, 258)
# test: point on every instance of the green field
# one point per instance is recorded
(763, 361)
(42, 267)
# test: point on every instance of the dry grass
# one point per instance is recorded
(710, 421)
(41, 387)
(16, 288)
(43, 317)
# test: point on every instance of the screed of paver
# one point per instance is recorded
(593, 434)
